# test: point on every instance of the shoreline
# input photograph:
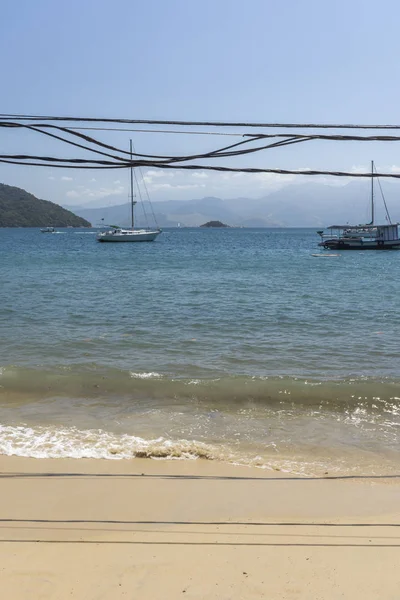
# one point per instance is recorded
(346, 427)
(87, 528)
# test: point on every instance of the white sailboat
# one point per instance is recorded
(118, 234)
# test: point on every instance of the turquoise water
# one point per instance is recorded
(232, 343)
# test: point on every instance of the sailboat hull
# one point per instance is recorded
(128, 236)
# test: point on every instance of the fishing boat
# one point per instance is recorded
(115, 233)
(370, 236)
(48, 230)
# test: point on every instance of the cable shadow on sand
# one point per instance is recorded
(21, 475)
(200, 523)
(216, 543)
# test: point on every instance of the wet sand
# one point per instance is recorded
(153, 529)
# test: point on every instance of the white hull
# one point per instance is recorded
(128, 236)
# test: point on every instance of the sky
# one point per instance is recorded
(260, 60)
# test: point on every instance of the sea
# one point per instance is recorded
(248, 346)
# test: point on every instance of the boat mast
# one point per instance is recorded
(132, 202)
(372, 192)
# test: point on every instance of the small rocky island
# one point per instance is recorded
(214, 224)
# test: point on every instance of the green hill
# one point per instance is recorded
(18, 208)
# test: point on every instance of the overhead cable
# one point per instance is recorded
(25, 117)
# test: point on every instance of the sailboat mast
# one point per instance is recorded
(372, 192)
(132, 203)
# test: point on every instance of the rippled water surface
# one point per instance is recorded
(232, 343)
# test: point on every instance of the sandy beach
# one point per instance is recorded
(153, 529)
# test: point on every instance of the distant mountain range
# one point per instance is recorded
(296, 205)
(18, 208)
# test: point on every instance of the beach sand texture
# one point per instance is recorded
(147, 529)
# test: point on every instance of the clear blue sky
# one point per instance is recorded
(255, 60)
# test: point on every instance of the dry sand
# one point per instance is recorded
(146, 529)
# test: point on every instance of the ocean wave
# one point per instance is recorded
(70, 442)
(95, 381)
(73, 443)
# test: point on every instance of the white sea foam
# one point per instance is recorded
(46, 442)
(70, 442)
(145, 375)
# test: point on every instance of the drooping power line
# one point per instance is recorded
(108, 156)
